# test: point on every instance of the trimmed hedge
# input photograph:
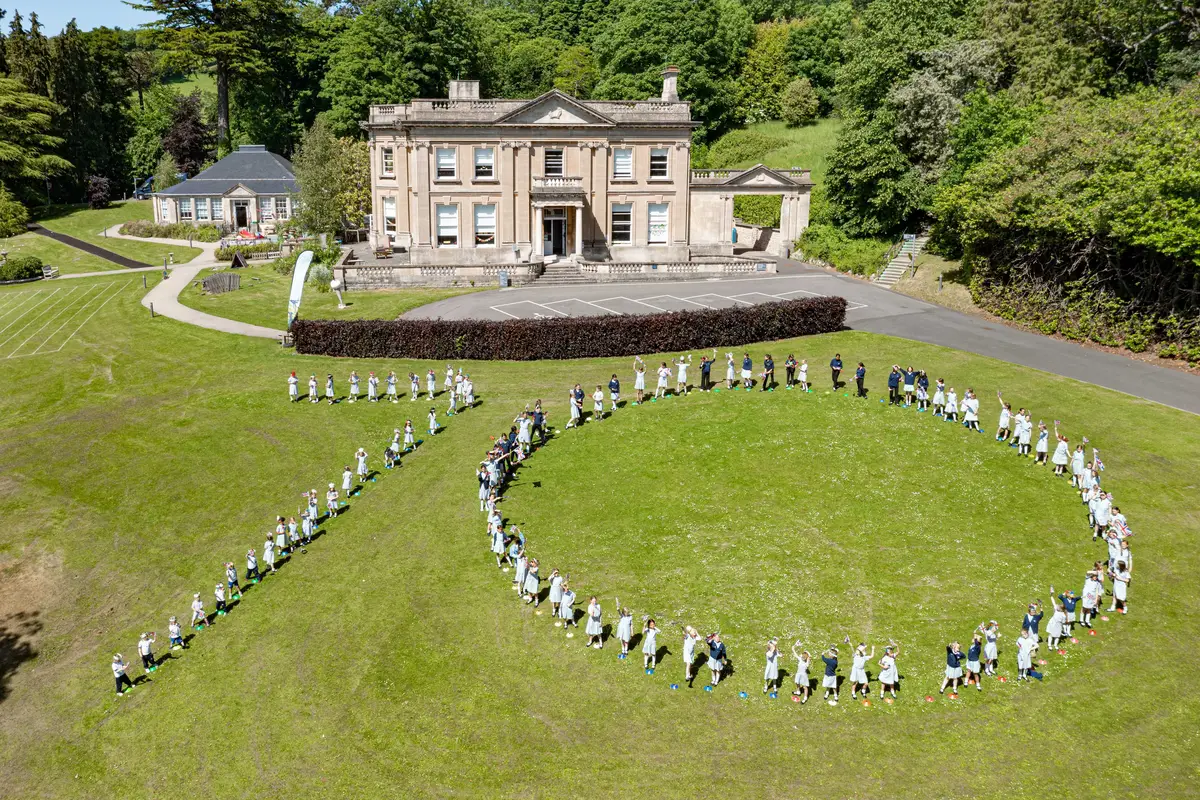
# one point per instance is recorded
(227, 252)
(146, 229)
(568, 337)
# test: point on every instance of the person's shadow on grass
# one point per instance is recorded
(17, 631)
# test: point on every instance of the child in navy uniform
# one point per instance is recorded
(835, 369)
(954, 672)
(830, 679)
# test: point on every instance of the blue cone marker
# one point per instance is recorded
(708, 688)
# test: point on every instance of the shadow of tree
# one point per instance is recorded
(16, 632)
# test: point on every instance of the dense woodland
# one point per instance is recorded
(1049, 144)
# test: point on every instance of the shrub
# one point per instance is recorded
(226, 253)
(20, 267)
(758, 209)
(742, 147)
(829, 244)
(569, 337)
(800, 103)
(329, 255)
(319, 276)
(13, 216)
(146, 229)
(98, 192)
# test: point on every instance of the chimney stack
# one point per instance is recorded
(464, 90)
(670, 93)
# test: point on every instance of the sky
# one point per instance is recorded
(88, 14)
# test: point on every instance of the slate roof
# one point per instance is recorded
(251, 165)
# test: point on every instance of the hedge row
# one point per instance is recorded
(568, 337)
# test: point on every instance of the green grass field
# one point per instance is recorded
(89, 225)
(263, 298)
(197, 81)
(392, 660)
(808, 147)
(53, 253)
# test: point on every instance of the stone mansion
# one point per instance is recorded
(468, 181)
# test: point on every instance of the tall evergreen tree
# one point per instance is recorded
(188, 140)
(220, 31)
(27, 148)
(28, 55)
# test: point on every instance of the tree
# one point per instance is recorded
(166, 173)
(98, 192)
(531, 67)
(765, 73)
(707, 41)
(13, 216)
(188, 140)
(816, 47)
(354, 159)
(800, 103)
(28, 55)
(576, 72)
(220, 31)
(150, 123)
(27, 149)
(320, 174)
(394, 51)
(872, 186)
(144, 71)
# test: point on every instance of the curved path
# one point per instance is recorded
(872, 308)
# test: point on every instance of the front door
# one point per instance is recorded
(554, 232)
(240, 214)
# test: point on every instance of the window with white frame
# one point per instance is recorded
(485, 163)
(389, 215)
(185, 210)
(658, 162)
(623, 163)
(164, 208)
(622, 223)
(447, 226)
(387, 158)
(266, 208)
(485, 226)
(218, 209)
(553, 163)
(447, 164)
(202, 209)
(658, 223)
(281, 211)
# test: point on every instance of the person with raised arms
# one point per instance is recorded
(664, 375)
(649, 644)
(858, 670)
(595, 627)
(681, 377)
(1004, 426)
(954, 671)
(639, 380)
(974, 669)
(802, 681)
(889, 674)
(829, 681)
(771, 670)
(690, 639)
(624, 627)
(717, 657)
(353, 386)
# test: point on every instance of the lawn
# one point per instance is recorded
(66, 258)
(392, 661)
(89, 225)
(263, 298)
(204, 82)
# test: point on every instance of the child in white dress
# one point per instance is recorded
(1043, 443)
(939, 398)
(858, 670)
(373, 388)
(598, 403)
(951, 411)
(575, 420)
(1004, 426)
(391, 387)
(803, 684)
(681, 368)
(803, 377)
(729, 370)
(649, 645)
(293, 388)
(691, 637)
(664, 374)
(1062, 452)
(889, 675)
(433, 422)
(991, 633)
(414, 387)
(639, 380)
(269, 553)
(566, 607)
(533, 583)
(353, 387)
(624, 628)
(771, 670)
(431, 383)
(594, 629)
(556, 591)
(329, 393)
(409, 441)
(1056, 628)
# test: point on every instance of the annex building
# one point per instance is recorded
(468, 181)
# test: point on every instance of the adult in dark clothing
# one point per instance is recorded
(835, 367)
(860, 375)
(705, 373)
(894, 386)
(768, 372)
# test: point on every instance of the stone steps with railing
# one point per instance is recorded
(901, 260)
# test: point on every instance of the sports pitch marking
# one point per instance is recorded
(620, 305)
(33, 322)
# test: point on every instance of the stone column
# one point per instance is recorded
(506, 234)
(521, 198)
(423, 227)
(579, 230)
(599, 196)
(539, 249)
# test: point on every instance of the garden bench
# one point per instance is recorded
(49, 272)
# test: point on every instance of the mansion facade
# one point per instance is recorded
(469, 181)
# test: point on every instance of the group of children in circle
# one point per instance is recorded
(908, 387)
(288, 536)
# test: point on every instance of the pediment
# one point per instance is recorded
(239, 191)
(759, 175)
(554, 108)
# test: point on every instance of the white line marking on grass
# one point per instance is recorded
(67, 321)
(13, 299)
(68, 307)
(17, 318)
(44, 306)
(89, 316)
